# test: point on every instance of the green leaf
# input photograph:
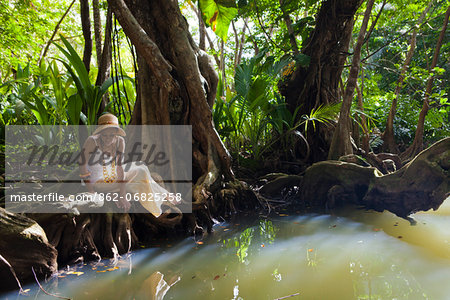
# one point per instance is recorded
(218, 15)
(74, 106)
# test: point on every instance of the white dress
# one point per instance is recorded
(140, 186)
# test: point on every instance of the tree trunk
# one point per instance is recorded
(341, 144)
(222, 65)
(389, 144)
(241, 44)
(365, 131)
(105, 61)
(177, 83)
(202, 30)
(318, 83)
(97, 31)
(417, 144)
(86, 26)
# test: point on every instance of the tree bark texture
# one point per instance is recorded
(104, 67)
(202, 31)
(341, 144)
(86, 27)
(318, 83)
(365, 131)
(97, 31)
(420, 185)
(417, 144)
(24, 245)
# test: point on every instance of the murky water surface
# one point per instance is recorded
(348, 255)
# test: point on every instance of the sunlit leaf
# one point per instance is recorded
(218, 15)
(75, 273)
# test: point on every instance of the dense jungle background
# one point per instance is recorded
(269, 88)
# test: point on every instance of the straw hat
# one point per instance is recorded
(108, 121)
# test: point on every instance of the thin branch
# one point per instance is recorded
(236, 48)
(372, 26)
(54, 32)
(289, 296)
(42, 289)
(250, 35)
(144, 45)
(211, 45)
(264, 29)
(398, 37)
(288, 21)
(12, 272)
(241, 45)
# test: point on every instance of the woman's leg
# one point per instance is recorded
(140, 185)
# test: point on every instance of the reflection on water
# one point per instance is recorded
(348, 255)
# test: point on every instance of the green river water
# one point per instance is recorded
(351, 254)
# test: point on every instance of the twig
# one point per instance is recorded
(393, 40)
(54, 32)
(264, 29)
(42, 289)
(289, 296)
(372, 26)
(12, 271)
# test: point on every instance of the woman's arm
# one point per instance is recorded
(86, 152)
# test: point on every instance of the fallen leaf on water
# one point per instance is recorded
(283, 215)
(94, 268)
(75, 273)
(199, 243)
(112, 269)
(62, 276)
(216, 277)
(310, 250)
(101, 271)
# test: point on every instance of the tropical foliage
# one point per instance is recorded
(254, 50)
